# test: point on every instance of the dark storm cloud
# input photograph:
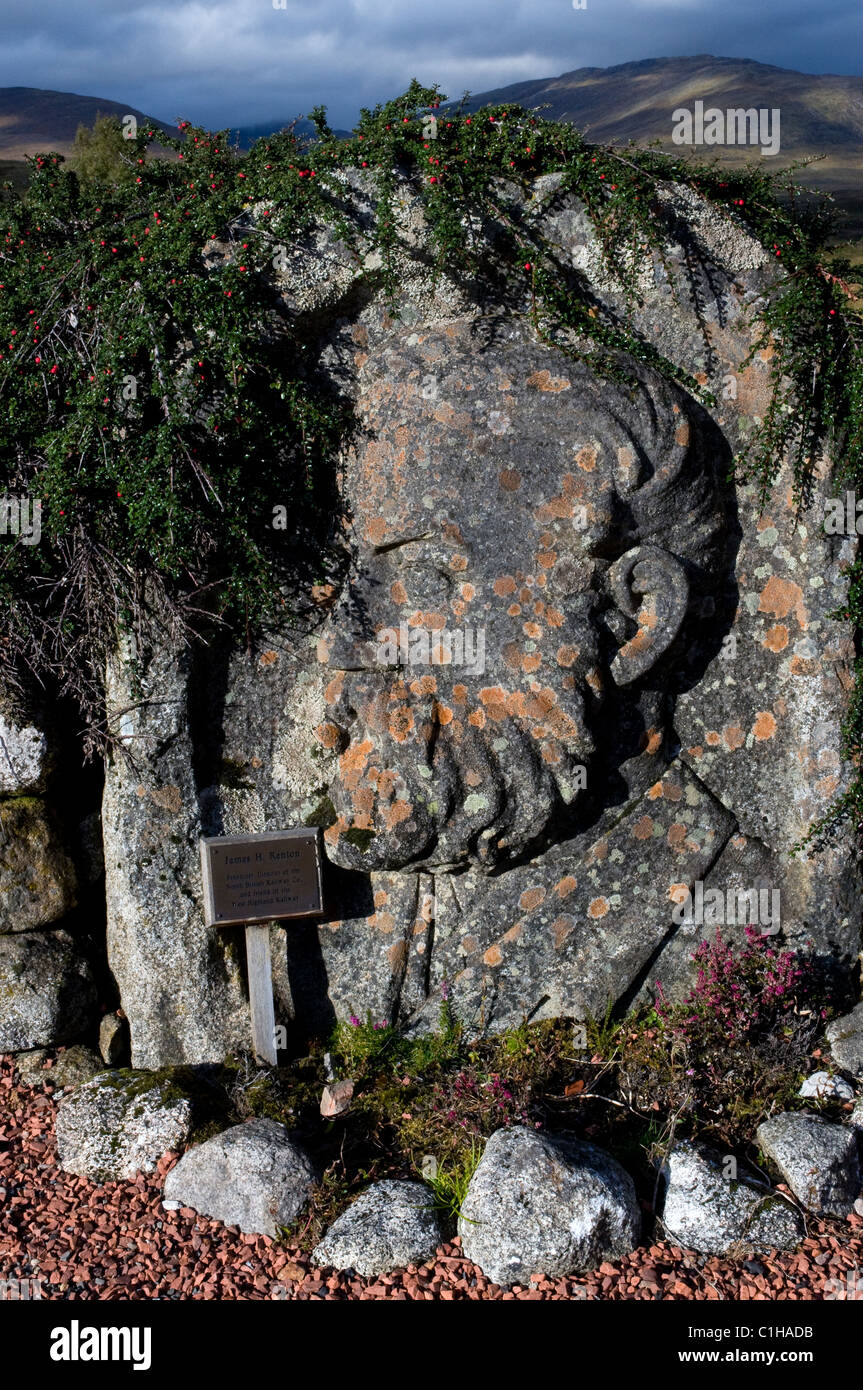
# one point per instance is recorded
(243, 61)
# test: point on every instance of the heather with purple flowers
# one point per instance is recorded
(740, 993)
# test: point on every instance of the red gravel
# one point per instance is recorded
(114, 1241)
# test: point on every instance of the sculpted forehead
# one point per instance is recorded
(489, 451)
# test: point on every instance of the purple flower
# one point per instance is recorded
(354, 1021)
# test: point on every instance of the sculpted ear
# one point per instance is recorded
(662, 590)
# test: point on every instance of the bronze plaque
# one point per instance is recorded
(261, 878)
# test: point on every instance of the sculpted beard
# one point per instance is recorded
(436, 780)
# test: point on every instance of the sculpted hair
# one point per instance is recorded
(670, 468)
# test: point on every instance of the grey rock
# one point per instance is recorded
(74, 1066)
(37, 880)
(391, 1225)
(703, 1210)
(47, 991)
(845, 1036)
(252, 1176)
(180, 983)
(114, 1040)
(822, 1086)
(23, 757)
(31, 1065)
(818, 1160)
(550, 1205)
(119, 1124)
(856, 1116)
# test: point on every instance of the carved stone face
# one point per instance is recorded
(521, 534)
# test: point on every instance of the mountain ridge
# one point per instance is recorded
(821, 114)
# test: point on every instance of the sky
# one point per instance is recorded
(245, 62)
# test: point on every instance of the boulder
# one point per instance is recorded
(546, 1204)
(37, 880)
(180, 983)
(817, 1159)
(391, 1225)
(252, 1176)
(845, 1036)
(23, 756)
(47, 991)
(822, 1086)
(705, 1210)
(114, 1040)
(31, 1066)
(73, 1067)
(119, 1124)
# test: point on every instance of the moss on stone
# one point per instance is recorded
(324, 814)
(360, 838)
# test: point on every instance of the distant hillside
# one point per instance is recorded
(820, 114)
(246, 135)
(32, 120)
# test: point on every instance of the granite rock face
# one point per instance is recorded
(119, 1124)
(179, 983)
(569, 675)
(543, 1204)
(818, 1160)
(252, 1176)
(391, 1225)
(705, 1210)
(47, 990)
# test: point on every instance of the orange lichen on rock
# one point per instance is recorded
(531, 898)
(779, 597)
(764, 726)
